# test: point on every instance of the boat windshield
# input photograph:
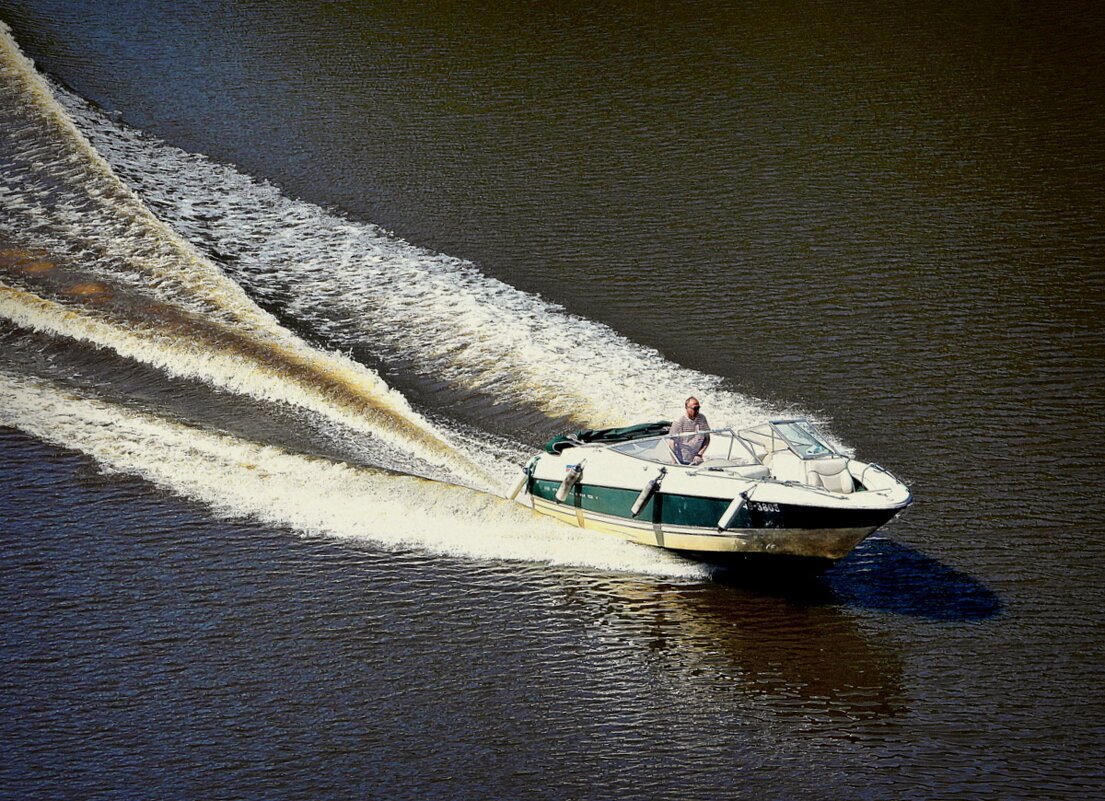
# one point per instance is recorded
(797, 435)
(724, 447)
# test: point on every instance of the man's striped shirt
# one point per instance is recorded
(686, 447)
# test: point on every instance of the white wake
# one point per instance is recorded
(237, 478)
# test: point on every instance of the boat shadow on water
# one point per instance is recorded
(880, 574)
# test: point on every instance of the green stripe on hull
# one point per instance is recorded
(672, 510)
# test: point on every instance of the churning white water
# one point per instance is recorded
(84, 259)
(358, 286)
(241, 479)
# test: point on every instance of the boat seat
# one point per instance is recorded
(786, 466)
(831, 473)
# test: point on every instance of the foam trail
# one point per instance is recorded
(357, 286)
(241, 479)
(62, 205)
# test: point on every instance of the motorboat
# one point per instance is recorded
(777, 489)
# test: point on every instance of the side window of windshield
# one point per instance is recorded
(802, 438)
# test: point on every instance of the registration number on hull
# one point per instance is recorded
(759, 506)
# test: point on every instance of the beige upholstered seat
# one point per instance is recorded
(831, 473)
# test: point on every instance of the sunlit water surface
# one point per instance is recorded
(422, 240)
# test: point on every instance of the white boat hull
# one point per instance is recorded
(817, 509)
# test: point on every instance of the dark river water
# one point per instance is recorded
(260, 259)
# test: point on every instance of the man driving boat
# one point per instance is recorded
(689, 449)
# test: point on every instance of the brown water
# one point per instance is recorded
(888, 218)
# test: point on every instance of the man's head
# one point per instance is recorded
(692, 406)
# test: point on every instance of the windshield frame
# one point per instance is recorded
(738, 449)
(798, 435)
